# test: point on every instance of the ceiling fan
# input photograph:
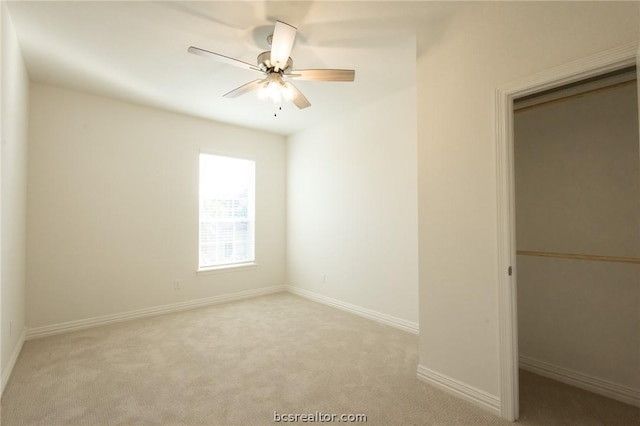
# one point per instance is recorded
(276, 66)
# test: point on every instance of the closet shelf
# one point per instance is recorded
(579, 256)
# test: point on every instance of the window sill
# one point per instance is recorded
(227, 268)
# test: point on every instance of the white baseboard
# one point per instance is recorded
(580, 380)
(396, 322)
(65, 327)
(461, 390)
(6, 374)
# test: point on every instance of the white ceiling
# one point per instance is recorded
(137, 52)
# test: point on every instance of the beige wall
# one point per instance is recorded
(352, 203)
(113, 207)
(460, 64)
(15, 97)
(577, 191)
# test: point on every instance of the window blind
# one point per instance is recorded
(227, 211)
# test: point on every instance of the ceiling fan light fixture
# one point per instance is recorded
(275, 90)
(287, 94)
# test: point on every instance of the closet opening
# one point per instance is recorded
(576, 181)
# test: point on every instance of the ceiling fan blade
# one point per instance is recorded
(246, 88)
(323, 75)
(221, 58)
(283, 37)
(298, 99)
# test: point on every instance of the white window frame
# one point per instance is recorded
(250, 260)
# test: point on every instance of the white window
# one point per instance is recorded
(227, 207)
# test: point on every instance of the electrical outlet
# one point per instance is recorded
(176, 285)
(324, 278)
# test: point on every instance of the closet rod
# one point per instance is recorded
(579, 256)
(555, 100)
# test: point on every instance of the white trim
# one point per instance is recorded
(225, 153)
(50, 330)
(591, 66)
(396, 322)
(230, 267)
(507, 296)
(6, 374)
(587, 382)
(600, 63)
(461, 390)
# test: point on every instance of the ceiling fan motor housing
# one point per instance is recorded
(264, 63)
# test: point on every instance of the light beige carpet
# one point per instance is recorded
(237, 363)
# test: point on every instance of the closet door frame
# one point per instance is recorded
(601, 63)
